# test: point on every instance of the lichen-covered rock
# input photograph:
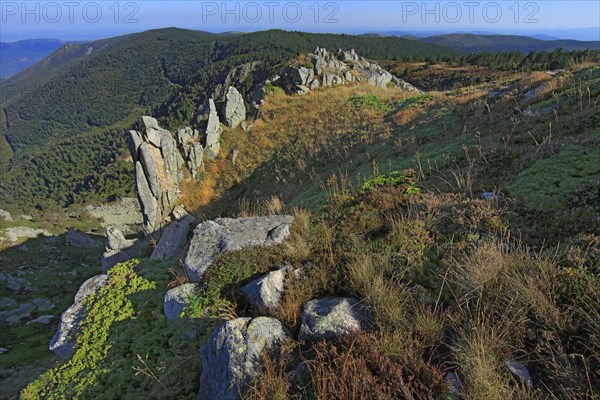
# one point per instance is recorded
(331, 317)
(81, 240)
(176, 300)
(235, 109)
(212, 238)
(158, 171)
(233, 354)
(266, 292)
(213, 132)
(172, 241)
(63, 342)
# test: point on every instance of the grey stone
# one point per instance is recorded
(6, 303)
(195, 156)
(42, 319)
(15, 316)
(26, 217)
(301, 76)
(3, 350)
(63, 342)
(233, 356)
(266, 291)
(314, 84)
(17, 285)
(378, 77)
(212, 238)
(134, 141)
(331, 317)
(520, 372)
(246, 127)
(115, 239)
(213, 132)
(455, 386)
(150, 170)
(176, 300)
(119, 249)
(147, 200)
(43, 304)
(151, 130)
(185, 137)
(301, 90)
(172, 242)
(5, 215)
(235, 109)
(18, 232)
(81, 240)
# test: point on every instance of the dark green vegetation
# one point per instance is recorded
(16, 56)
(503, 43)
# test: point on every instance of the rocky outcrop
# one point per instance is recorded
(81, 240)
(233, 354)
(266, 292)
(176, 300)
(213, 238)
(324, 69)
(158, 171)
(173, 240)
(119, 249)
(331, 317)
(235, 109)
(213, 132)
(63, 342)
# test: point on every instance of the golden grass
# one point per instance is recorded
(294, 130)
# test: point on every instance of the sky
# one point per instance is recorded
(87, 20)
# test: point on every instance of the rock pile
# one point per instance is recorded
(324, 69)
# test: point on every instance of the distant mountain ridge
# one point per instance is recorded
(17, 56)
(472, 43)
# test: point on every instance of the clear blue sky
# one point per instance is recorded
(74, 19)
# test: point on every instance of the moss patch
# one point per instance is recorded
(549, 183)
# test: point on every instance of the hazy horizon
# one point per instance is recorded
(72, 21)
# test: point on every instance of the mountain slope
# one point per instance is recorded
(145, 73)
(500, 43)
